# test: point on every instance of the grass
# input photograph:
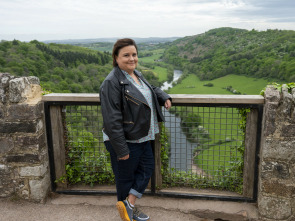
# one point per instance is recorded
(193, 85)
(224, 137)
(156, 56)
(209, 161)
(161, 73)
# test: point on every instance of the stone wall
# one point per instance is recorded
(276, 191)
(24, 169)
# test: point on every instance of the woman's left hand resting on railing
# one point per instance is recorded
(168, 104)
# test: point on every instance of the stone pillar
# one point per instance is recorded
(24, 168)
(276, 191)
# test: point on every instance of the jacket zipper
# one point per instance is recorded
(136, 99)
(128, 99)
(128, 122)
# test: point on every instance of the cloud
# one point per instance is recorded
(138, 18)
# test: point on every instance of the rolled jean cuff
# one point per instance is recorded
(135, 193)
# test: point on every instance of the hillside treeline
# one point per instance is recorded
(60, 68)
(267, 54)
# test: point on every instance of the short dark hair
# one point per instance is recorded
(121, 43)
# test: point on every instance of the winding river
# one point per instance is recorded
(181, 152)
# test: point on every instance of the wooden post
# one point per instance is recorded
(249, 154)
(58, 144)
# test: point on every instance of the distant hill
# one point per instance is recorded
(112, 40)
(267, 54)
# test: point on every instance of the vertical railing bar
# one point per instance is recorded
(50, 145)
(258, 140)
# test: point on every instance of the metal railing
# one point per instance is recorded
(203, 150)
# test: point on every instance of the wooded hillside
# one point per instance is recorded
(267, 54)
(61, 68)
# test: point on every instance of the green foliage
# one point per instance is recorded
(60, 68)
(165, 146)
(219, 52)
(87, 161)
(45, 91)
(209, 85)
(279, 87)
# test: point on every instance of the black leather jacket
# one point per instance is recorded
(126, 113)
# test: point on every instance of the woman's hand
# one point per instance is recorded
(124, 158)
(168, 104)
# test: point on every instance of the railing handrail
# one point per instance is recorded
(177, 98)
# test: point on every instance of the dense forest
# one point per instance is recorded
(263, 54)
(61, 68)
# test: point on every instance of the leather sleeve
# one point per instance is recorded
(111, 108)
(161, 95)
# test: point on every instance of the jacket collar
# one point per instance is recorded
(122, 78)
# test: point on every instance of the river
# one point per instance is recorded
(176, 76)
(181, 152)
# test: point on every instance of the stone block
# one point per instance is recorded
(288, 130)
(6, 144)
(20, 127)
(37, 171)
(277, 149)
(4, 170)
(39, 188)
(287, 104)
(25, 111)
(30, 143)
(271, 94)
(5, 78)
(18, 89)
(270, 113)
(4, 84)
(2, 111)
(6, 191)
(274, 208)
(293, 205)
(278, 188)
(2, 95)
(273, 169)
(25, 158)
(292, 168)
(33, 80)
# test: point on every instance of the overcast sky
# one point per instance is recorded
(27, 20)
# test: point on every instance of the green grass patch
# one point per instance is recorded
(161, 73)
(193, 85)
(156, 56)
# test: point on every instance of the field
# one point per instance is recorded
(246, 85)
(156, 56)
(161, 73)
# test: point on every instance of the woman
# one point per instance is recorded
(131, 112)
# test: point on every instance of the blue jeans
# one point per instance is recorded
(132, 175)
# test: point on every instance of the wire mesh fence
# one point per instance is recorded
(205, 147)
(202, 147)
(87, 159)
